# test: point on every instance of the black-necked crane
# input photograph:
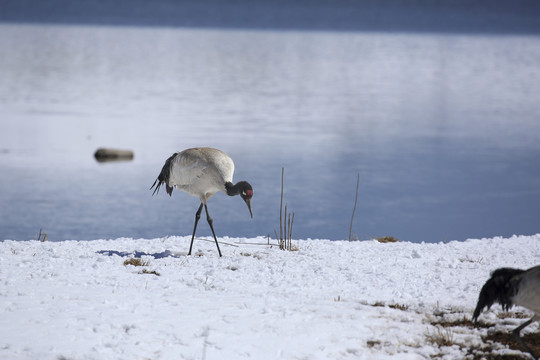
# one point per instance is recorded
(510, 287)
(202, 172)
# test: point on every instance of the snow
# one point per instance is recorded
(327, 300)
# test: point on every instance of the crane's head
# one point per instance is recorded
(246, 192)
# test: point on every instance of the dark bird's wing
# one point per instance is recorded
(500, 288)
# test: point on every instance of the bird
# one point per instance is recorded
(509, 287)
(202, 172)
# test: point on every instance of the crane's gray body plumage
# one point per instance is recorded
(528, 294)
(200, 172)
(509, 287)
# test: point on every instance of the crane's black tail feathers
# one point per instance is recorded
(163, 177)
(500, 288)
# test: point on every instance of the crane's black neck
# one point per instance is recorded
(238, 188)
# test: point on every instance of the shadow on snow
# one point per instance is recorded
(139, 254)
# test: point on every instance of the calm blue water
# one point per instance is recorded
(443, 128)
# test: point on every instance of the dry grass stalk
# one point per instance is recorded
(401, 307)
(354, 208)
(513, 314)
(441, 337)
(139, 262)
(42, 233)
(372, 343)
(387, 239)
(151, 272)
(478, 260)
(285, 224)
(136, 262)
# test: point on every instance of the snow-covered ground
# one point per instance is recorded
(328, 300)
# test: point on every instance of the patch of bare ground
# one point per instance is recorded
(494, 339)
(506, 338)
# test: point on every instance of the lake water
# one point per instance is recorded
(443, 128)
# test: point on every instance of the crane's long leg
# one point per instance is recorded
(210, 221)
(197, 217)
(520, 340)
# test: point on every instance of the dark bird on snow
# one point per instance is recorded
(202, 172)
(510, 287)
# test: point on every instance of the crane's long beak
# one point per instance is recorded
(248, 203)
